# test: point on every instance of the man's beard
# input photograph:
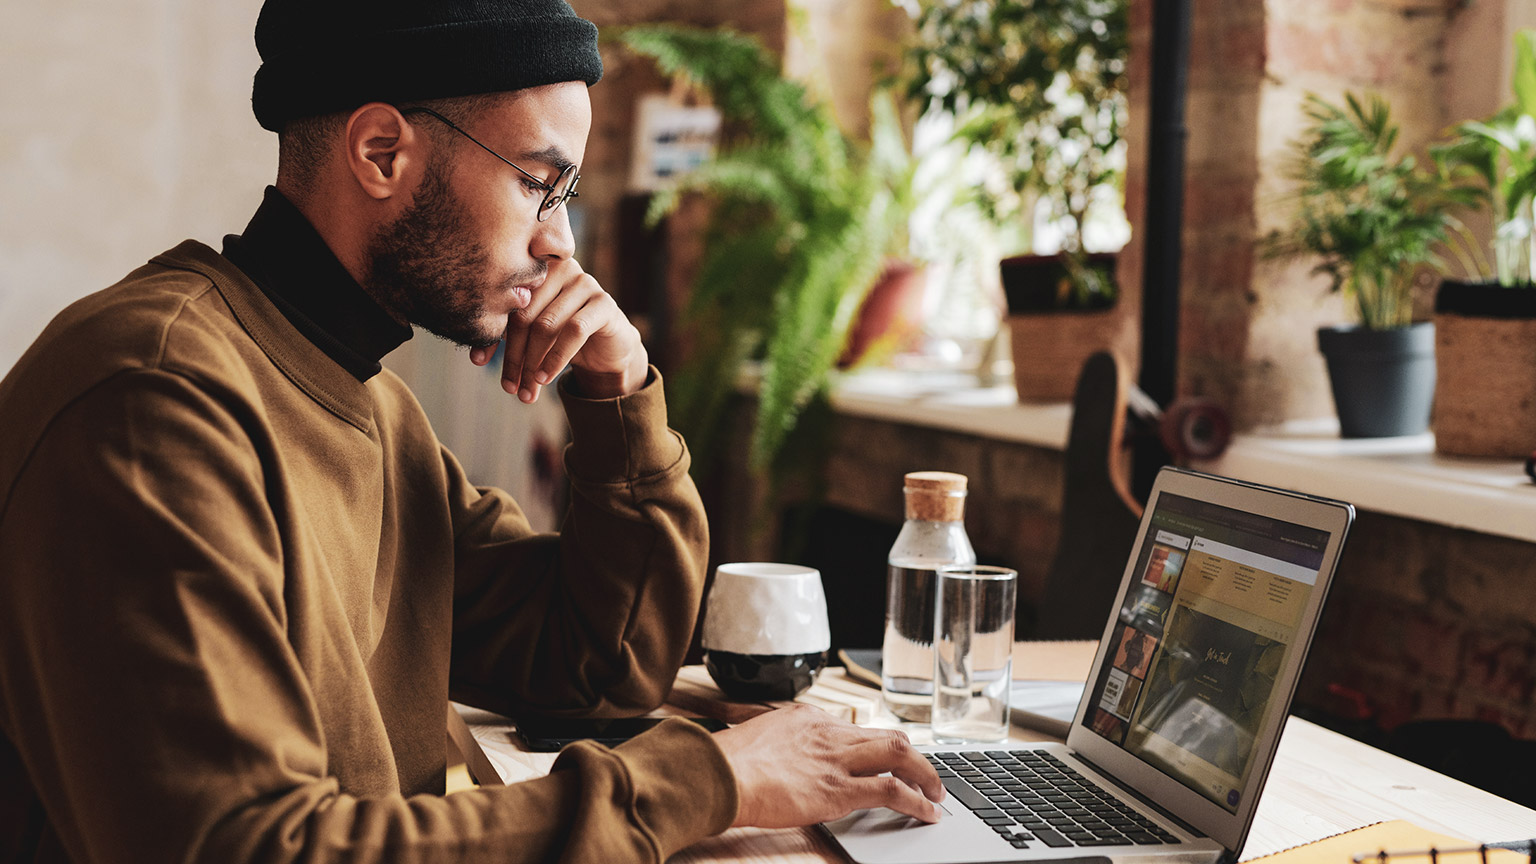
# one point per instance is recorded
(424, 270)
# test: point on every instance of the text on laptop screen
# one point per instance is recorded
(1214, 606)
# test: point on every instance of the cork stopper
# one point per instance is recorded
(935, 496)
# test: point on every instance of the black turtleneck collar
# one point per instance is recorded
(287, 259)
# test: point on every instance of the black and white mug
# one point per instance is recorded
(765, 629)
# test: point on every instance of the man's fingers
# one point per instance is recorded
(888, 791)
(891, 752)
(534, 330)
(514, 361)
(798, 766)
(481, 354)
(569, 320)
(512, 373)
(579, 328)
(563, 321)
(528, 392)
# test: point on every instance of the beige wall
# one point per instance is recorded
(124, 129)
(843, 49)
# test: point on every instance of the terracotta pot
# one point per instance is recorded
(890, 312)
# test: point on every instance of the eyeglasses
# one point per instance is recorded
(555, 194)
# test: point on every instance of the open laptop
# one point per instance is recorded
(1183, 709)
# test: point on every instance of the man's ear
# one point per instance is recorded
(384, 150)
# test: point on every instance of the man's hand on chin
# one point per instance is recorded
(570, 319)
(799, 766)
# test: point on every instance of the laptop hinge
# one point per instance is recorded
(1144, 799)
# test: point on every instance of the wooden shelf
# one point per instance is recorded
(1398, 476)
(955, 402)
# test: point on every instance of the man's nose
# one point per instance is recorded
(554, 239)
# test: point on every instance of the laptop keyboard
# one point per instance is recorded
(1034, 798)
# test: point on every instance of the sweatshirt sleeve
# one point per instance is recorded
(160, 713)
(597, 619)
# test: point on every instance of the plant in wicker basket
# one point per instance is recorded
(1485, 329)
(1040, 88)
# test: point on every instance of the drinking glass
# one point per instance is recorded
(973, 653)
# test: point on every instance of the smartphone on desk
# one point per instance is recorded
(548, 734)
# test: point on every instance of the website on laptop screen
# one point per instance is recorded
(1212, 611)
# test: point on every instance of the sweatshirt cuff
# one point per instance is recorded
(623, 438)
(682, 787)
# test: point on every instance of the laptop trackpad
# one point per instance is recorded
(883, 836)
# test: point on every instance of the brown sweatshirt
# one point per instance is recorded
(237, 585)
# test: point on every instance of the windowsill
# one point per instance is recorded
(953, 401)
(1398, 476)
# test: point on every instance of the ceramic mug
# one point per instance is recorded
(765, 629)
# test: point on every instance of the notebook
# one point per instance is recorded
(1177, 727)
(1397, 841)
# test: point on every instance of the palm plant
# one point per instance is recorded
(1372, 217)
(802, 221)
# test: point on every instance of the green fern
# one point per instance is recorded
(803, 219)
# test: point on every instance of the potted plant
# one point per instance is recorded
(803, 221)
(1374, 218)
(1485, 329)
(1040, 89)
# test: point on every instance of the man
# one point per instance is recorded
(238, 574)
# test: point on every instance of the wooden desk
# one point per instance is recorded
(1322, 783)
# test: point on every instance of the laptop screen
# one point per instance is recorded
(1202, 634)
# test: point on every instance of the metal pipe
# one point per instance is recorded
(1163, 223)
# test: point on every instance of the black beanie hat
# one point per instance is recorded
(326, 56)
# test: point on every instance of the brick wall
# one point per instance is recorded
(1226, 68)
(1247, 323)
(1429, 622)
(1013, 502)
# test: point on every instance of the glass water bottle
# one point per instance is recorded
(932, 536)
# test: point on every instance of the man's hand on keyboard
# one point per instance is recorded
(799, 766)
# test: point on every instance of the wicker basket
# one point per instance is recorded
(1485, 392)
(1050, 348)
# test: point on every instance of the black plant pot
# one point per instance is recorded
(1383, 380)
(1486, 299)
(1043, 283)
